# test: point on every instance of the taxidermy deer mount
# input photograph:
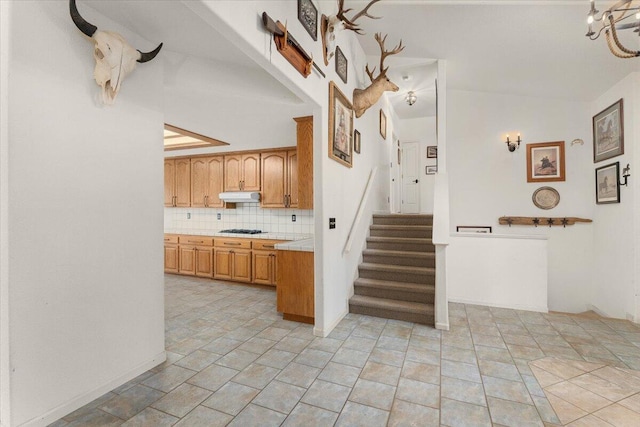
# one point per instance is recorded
(365, 98)
(330, 26)
(115, 58)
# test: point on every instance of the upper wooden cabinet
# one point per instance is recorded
(279, 179)
(177, 182)
(303, 181)
(207, 181)
(242, 172)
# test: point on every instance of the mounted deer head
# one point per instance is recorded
(365, 98)
(115, 58)
(332, 25)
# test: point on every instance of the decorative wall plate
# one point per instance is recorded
(546, 198)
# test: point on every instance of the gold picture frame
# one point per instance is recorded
(545, 162)
(340, 127)
(383, 125)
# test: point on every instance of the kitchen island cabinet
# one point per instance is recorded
(295, 290)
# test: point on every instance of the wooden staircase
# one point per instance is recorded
(397, 276)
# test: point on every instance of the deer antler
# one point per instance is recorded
(384, 53)
(350, 24)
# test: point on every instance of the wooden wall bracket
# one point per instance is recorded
(540, 220)
(288, 46)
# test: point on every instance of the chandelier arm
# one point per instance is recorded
(613, 49)
(614, 36)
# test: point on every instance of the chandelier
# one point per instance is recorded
(610, 22)
(411, 98)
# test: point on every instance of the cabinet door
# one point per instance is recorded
(292, 178)
(169, 181)
(263, 267)
(215, 183)
(204, 261)
(183, 182)
(251, 172)
(199, 181)
(274, 167)
(187, 260)
(304, 130)
(295, 289)
(171, 259)
(241, 265)
(232, 172)
(222, 260)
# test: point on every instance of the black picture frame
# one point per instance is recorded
(432, 152)
(341, 65)
(308, 17)
(482, 229)
(608, 132)
(608, 184)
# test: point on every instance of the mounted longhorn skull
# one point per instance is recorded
(332, 25)
(365, 98)
(115, 58)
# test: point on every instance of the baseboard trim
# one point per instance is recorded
(591, 307)
(83, 399)
(442, 326)
(321, 332)
(541, 309)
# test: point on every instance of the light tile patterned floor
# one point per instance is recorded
(231, 360)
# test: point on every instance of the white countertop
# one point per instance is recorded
(271, 236)
(305, 245)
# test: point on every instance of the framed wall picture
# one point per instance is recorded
(340, 126)
(356, 141)
(607, 184)
(308, 17)
(432, 152)
(431, 170)
(383, 125)
(608, 132)
(484, 229)
(341, 64)
(545, 162)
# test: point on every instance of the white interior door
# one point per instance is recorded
(410, 164)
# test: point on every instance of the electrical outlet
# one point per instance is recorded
(293, 218)
(188, 215)
(219, 216)
(332, 223)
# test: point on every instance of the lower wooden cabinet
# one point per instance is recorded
(264, 262)
(295, 290)
(232, 259)
(171, 253)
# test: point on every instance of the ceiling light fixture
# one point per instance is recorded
(411, 98)
(609, 22)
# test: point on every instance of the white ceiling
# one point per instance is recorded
(528, 48)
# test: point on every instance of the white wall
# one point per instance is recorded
(616, 225)
(423, 131)
(487, 181)
(84, 257)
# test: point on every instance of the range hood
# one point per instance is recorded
(240, 196)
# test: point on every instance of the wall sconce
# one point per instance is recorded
(512, 145)
(625, 175)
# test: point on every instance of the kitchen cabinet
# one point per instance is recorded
(177, 182)
(232, 259)
(195, 255)
(242, 172)
(279, 177)
(207, 181)
(295, 290)
(303, 192)
(264, 262)
(170, 253)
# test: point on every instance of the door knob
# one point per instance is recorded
(416, 181)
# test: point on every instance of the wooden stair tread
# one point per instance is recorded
(390, 304)
(392, 253)
(390, 215)
(399, 239)
(388, 284)
(400, 227)
(398, 268)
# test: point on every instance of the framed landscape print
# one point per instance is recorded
(341, 64)
(607, 184)
(608, 132)
(545, 162)
(340, 126)
(383, 124)
(308, 17)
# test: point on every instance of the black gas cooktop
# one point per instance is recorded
(241, 231)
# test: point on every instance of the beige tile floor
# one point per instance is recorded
(231, 360)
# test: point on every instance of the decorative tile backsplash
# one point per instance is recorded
(249, 216)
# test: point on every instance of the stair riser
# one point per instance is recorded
(424, 319)
(399, 260)
(394, 246)
(397, 276)
(402, 221)
(422, 297)
(423, 234)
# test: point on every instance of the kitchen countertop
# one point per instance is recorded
(304, 245)
(272, 236)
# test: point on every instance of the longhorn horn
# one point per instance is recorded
(148, 56)
(87, 28)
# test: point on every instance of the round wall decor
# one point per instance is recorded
(546, 198)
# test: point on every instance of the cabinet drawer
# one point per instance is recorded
(171, 238)
(233, 243)
(267, 245)
(196, 240)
